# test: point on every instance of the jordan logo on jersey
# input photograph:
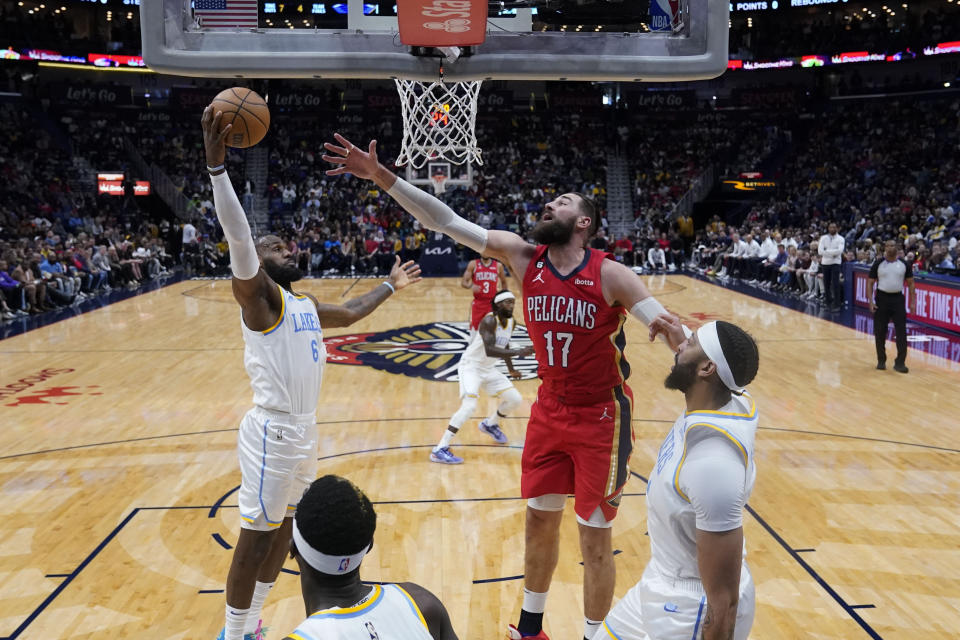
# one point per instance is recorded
(606, 415)
(538, 278)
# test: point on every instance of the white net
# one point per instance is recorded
(439, 122)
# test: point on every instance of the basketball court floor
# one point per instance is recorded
(118, 470)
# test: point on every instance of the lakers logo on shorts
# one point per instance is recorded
(430, 351)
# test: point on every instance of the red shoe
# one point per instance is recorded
(514, 634)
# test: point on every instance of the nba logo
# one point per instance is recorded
(663, 14)
(344, 564)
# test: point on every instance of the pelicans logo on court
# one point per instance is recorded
(429, 351)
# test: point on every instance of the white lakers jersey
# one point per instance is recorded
(285, 362)
(476, 356)
(388, 613)
(671, 520)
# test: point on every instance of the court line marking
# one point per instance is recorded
(113, 534)
(347, 290)
(103, 544)
(209, 431)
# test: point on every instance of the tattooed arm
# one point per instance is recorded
(719, 555)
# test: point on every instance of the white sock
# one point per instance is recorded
(445, 440)
(534, 602)
(590, 627)
(233, 629)
(256, 606)
(494, 418)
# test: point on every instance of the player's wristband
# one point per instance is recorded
(392, 289)
(216, 168)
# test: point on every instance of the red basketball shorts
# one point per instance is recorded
(478, 309)
(579, 449)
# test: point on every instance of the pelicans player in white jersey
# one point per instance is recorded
(333, 531)
(697, 584)
(478, 367)
(284, 357)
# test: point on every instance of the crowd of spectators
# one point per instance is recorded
(60, 244)
(343, 226)
(771, 36)
(879, 170)
(73, 29)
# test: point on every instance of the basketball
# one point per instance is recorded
(247, 112)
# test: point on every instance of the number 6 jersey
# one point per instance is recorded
(577, 337)
(285, 362)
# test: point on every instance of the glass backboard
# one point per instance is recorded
(599, 40)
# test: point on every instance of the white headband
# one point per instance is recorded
(332, 565)
(710, 343)
(503, 295)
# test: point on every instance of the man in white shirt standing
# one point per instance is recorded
(697, 584)
(831, 256)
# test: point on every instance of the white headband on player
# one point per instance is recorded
(710, 343)
(503, 295)
(331, 565)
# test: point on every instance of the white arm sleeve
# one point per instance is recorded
(648, 309)
(714, 478)
(435, 215)
(243, 254)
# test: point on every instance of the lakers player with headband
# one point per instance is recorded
(478, 368)
(697, 579)
(332, 532)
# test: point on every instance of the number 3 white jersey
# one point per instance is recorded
(285, 362)
(476, 356)
(388, 613)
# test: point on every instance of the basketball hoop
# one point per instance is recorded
(439, 122)
(439, 182)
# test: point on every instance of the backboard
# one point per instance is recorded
(530, 42)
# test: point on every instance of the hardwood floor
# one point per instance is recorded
(118, 470)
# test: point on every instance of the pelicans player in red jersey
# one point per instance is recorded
(579, 437)
(483, 277)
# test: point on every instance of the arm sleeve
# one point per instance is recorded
(243, 254)
(714, 478)
(909, 271)
(435, 215)
(875, 270)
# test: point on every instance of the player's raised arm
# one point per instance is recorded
(431, 212)
(623, 287)
(333, 315)
(257, 294)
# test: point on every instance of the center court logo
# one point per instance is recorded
(430, 351)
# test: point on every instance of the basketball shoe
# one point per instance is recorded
(445, 456)
(514, 634)
(259, 634)
(493, 431)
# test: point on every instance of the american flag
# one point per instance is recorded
(226, 13)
